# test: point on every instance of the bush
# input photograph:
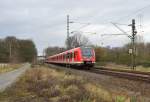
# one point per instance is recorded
(120, 99)
(145, 64)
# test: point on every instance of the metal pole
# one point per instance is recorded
(10, 51)
(133, 44)
(67, 31)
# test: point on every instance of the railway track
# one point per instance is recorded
(132, 75)
(127, 74)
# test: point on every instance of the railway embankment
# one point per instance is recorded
(118, 85)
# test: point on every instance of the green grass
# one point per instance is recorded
(124, 67)
(49, 85)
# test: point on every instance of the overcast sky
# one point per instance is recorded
(44, 21)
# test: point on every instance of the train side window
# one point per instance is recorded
(67, 55)
(61, 57)
(64, 56)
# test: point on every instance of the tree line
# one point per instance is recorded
(118, 55)
(121, 55)
(17, 50)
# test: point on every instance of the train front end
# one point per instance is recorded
(88, 56)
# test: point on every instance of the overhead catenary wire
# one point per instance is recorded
(85, 25)
(124, 17)
(134, 12)
(129, 15)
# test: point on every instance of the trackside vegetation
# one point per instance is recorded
(51, 85)
(120, 55)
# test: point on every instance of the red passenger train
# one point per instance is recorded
(80, 56)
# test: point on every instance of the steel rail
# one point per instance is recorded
(132, 75)
(127, 74)
(120, 70)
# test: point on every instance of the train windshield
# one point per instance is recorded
(87, 52)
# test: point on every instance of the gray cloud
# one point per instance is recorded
(44, 21)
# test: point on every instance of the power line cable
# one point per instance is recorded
(133, 13)
(137, 11)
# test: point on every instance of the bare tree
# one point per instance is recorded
(13, 45)
(53, 50)
(77, 40)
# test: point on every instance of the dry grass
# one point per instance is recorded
(49, 85)
(8, 67)
(124, 67)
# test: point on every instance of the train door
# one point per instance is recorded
(68, 57)
(75, 56)
(65, 57)
(72, 56)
